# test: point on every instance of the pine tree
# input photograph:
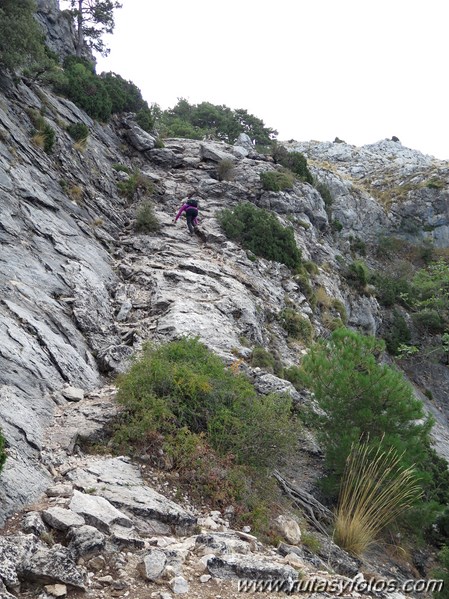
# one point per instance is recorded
(93, 19)
(363, 399)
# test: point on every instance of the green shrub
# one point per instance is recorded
(122, 168)
(358, 275)
(133, 183)
(430, 287)
(442, 573)
(85, 89)
(325, 193)
(22, 41)
(357, 245)
(336, 225)
(44, 135)
(276, 180)
(339, 307)
(262, 358)
(146, 220)
(2, 451)
(398, 334)
(293, 374)
(294, 161)
(297, 326)
(391, 290)
(361, 397)
(183, 384)
(429, 321)
(260, 232)
(78, 131)
(208, 120)
(226, 169)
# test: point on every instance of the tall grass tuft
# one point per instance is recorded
(374, 490)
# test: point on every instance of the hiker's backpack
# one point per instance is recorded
(193, 203)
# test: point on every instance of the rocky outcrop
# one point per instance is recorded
(58, 29)
(81, 291)
(383, 188)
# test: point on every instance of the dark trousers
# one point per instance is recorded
(191, 214)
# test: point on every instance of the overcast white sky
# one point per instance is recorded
(361, 70)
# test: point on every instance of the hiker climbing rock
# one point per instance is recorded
(190, 207)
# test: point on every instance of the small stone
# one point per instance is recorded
(61, 518)
(205, 578)
(246, 529)
(106, 579)
(61, 490)
(289, 528)
(294, 560)
(73, 393)
(153, 565)
(33, 523)
(179, 585)
(97, 563)
(56, 590)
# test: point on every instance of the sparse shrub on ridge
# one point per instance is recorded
(260, 232)
(277, 180)
(146, 220)
(262, 358)
(294, 161)
(78, 131)
(297, 326)
(226, 169)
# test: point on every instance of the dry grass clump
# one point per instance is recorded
(375, 489)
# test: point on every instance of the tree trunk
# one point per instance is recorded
(80, 37)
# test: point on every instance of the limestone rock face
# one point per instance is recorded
(58, 29)
(81, 290)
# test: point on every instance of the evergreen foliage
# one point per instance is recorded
(184, 386)
(93, 19)
(85, 88)
(297, 326)
(398, 333)
(196, 121)
(260, 232)
(21, 38)
(146, 220)
(277, 180)
(294, 161)
(78, 131)
(102, 95)
(363, 399)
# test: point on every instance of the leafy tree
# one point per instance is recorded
(127, 97)
(21, 38)
(93, 19)
(363, 399)
(221, 122)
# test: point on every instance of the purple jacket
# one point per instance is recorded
(185, 207)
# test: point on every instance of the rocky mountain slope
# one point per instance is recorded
(81, 290)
